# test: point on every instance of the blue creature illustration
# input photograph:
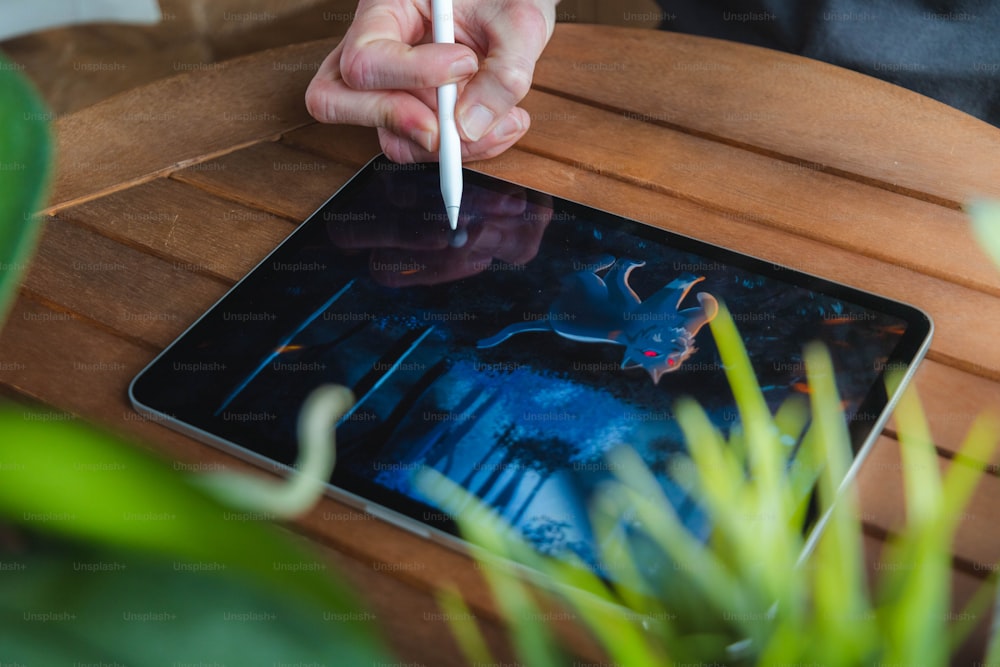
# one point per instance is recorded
(657, 336)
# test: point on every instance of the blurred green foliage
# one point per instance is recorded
(757, 594)
(123, 558)
(25, 156)
(108, 555)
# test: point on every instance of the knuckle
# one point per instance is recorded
(514, 76)
(396, 148)
(532, 22)
(356, 69)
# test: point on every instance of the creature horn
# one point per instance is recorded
(696, 318)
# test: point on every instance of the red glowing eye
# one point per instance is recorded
(670, 362)
(651, 353)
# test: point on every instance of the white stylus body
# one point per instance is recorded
(450, 150)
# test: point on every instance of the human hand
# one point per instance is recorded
(386, 70)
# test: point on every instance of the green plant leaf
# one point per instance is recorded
(500, 547)
(69, 603)
(463, 626)
(746, 598)
(967, 468)
(768, 484)
(758, 427)
(25, 159)
(921, 475)
(838, 577)
(314, 464)
(70, 480)
(985, 215)
(916, 592)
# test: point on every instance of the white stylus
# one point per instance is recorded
(450, 150)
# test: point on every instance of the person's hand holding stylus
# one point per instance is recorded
(386, 71)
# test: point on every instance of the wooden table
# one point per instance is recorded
(166, 195)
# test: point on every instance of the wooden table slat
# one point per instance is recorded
(745, 185)
(964, 586)
(351, 146)
(880, 488)
(146, 132)
(127, 291)
(780, 104)
(272, 177)
(186, 226)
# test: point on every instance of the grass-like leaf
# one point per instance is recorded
(314, 465)
(463, 626)
(772, 499)
(749, 596)
(985, 216)
(839, 595)
(500, 548)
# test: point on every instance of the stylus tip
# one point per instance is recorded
(458, 238)
(452, 216)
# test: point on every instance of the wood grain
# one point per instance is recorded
(352, 146)
(783, 105)
(964, 586)
(270, 177)
(192, 229)
(791, 196)
(182, 120)
(880, 488)
(122, 289)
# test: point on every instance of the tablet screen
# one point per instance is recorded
(510, 355)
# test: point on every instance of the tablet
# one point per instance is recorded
(509, 355)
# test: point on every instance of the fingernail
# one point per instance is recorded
(463, 68)
(508, 127)
(423, 138)
(476, 120)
